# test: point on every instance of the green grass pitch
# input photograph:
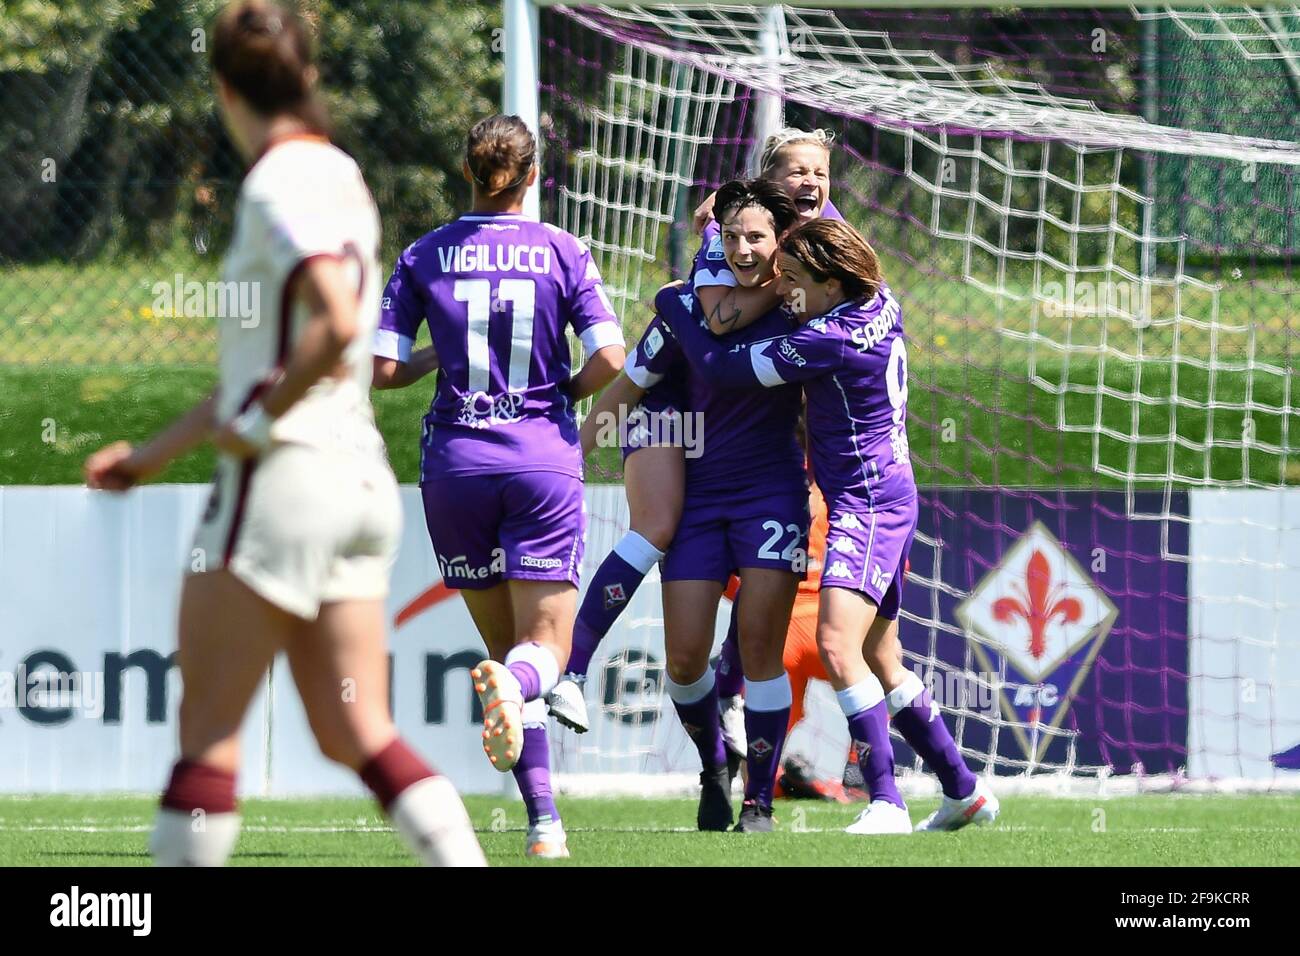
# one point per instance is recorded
(1147, 830)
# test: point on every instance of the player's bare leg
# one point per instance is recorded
(499, 694)
(655, 482)
(544, 612)
(844, 617)
(764, 620)
(340, 665)
(690, 612)
(228, 638)
(966, 799)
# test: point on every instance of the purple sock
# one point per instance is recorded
(869, 730)
(766, 732)
(529, 680)
(731, 676)
(611, 587)
(533, 774)
(923, 728)
(701, 723)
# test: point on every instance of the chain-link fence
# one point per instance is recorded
(118, 184)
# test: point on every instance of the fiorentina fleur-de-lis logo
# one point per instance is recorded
(1039, 620)
(1039, 600)
(1037, 606)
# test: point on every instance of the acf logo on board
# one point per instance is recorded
(1045, 618)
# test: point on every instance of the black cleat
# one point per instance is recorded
(754, 818)
(715, 801)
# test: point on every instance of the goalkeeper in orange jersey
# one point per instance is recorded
(802, 663)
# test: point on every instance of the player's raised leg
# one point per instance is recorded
(654, 480)
(345, 647)
(966, 798)
(228, 637)
(690, 608)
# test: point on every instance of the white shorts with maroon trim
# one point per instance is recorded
(302, 526)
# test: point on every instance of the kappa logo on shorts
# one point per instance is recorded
(614, 595)
(843, 546)
(838, 569)
(459, 569)
(545, 564)
(849, 522)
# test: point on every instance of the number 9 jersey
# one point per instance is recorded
(498, 292)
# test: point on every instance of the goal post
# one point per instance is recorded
(1091, 215)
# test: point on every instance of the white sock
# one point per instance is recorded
(535, 713)
(181, 838)
(638, 552)
(764, 696)
(542, 661)
(690, 693)
(904, 694)
(863, 695)
(432, 822)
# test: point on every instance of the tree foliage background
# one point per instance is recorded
(110, 143)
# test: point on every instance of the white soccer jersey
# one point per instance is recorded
(302, 199)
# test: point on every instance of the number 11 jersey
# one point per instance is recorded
(498, 293)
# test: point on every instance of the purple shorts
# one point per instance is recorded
(656, 421)
(484, 528)
(867, 551)
(715, 538)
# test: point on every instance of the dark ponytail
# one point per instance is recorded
(264, 53)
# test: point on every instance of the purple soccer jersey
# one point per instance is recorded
(710, 266)
(497, 292)
(852, 362)
(748, 440)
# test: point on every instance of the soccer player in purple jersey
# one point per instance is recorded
(654, 477)
(501, 468)
(746, 509)
(852, 361)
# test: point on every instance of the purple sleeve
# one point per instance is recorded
(590, 311)
(710, 268)
(400, 314)
(811, 351)
(654, 356)
(830, 212)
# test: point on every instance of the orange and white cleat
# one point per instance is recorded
(503, 721)
(980, 808)
(547, 841)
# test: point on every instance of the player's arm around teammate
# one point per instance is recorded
(302, 526)
(798, 161)
(851, 356)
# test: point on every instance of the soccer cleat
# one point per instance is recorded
(715, 801)
(754, 818)
(547, 841)
(503, 719)
(980, 808)
(881, 817)
(568, 704)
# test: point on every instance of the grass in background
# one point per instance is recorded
(1150, 830)
(968, 425)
